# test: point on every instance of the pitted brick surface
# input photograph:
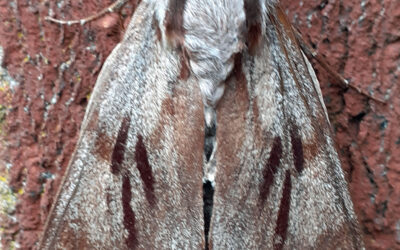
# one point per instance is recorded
(361, 40)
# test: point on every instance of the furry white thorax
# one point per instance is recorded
(213, 36)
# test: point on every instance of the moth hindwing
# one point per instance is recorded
(206, 129)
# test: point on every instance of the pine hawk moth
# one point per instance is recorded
(206, 129)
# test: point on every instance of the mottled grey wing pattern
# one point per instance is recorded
(279, 183)
(135, 179)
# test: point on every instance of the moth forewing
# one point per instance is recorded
(281, 165)
(133, 182)
(212, 91)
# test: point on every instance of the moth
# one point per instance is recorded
(206, 130)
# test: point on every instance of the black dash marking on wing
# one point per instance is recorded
(129, 215)
(117, 158)
(270, 169)
(297, 148)
(118, 153)
(142, 162)
(282, 222)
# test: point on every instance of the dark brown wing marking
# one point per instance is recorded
(297, 149)
(283, 215)
(270, 169)
(118, 153)
(174, 21)
(238, 72)
(145, 171)
(117, 158)
(129, 215)
(184, 72)
(253, 16)
(175, 33)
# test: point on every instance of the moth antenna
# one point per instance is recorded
(111, 8)
(313, 54)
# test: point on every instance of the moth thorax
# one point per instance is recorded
(213, 35)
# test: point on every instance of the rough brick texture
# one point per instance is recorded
(361, 40)
(56, 68)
